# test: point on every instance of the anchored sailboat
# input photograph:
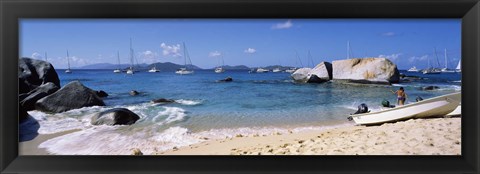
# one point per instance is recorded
(430, 69)
(68, 71)
(118, 69)
(185, 71)
(446, 70)
(220, 69)
(130, 69)
(458, 69)
(154, 68)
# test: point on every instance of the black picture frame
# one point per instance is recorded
(11, 11)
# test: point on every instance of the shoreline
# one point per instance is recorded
(431, 136)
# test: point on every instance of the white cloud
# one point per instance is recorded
(389, 34)
(171, 50)
(214, 54)
(36, 55)
(148, 57)
(285, 25)
(392, 57)
(250, 50)
(416, 58)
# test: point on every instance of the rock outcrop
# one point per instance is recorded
(301, 75)
(365, 70)
(162, 100)
(321, 73)
(33, 73)
(116, 116)
(28, 100)
(74, 95)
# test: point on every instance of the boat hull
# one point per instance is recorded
(437, 106)
(184, 72)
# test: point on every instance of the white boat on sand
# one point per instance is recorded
(437, 106)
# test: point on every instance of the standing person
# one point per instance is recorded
(401, 96)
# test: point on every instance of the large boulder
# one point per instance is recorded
(366, 70)
(28, 100)
(33, 73)
(301, 75)
(321, 73)
(74, 95)
(116, 116)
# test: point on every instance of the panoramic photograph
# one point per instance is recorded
(240, 87)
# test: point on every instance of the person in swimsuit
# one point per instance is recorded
(401, 96)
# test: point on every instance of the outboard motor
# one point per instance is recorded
(419, 98)
(385, 103)
(362, 108)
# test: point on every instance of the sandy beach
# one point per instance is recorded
(436, 136)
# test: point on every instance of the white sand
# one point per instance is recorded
(437, 136)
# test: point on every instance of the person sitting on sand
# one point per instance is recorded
(401, 96)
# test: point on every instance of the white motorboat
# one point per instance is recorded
(291, 70)
(437, 106)
(154, 69)
(261, 70)
(277, 70)
(413, 69)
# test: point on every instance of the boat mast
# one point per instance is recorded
(185, 55)
(68, 60)
(131, 55)
(446, 62)
(46, 57)
(118, 59)
(436, 56)
(298, 58)
(311, 59)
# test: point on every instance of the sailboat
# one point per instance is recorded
(220, 69)
(68, 71)
(154, 68)
(458, 69)
(430, 69)
(446, 70)
(118, 69)
(130, 69)
(185, 71)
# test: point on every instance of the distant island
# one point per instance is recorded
(169, 66)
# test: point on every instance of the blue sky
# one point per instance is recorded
(251, 42)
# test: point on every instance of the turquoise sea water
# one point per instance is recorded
(259, 103)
